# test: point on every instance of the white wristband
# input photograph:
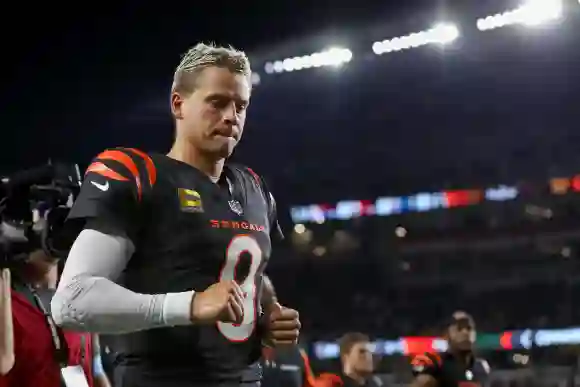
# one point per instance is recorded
(177, 308)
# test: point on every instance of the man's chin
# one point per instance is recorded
(221, 149)
(465, 347)
(225, 152)
(366, 372)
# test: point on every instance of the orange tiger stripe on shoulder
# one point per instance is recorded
(437, 358)
(126, 160)
(103, 170)
(122, 156)
(328, 379)
(422, 360)
(149, 165)
(427, 359)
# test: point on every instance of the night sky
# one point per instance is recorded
(81, 78)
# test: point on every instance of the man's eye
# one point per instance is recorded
(218, 103)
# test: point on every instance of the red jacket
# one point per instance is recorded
(34, 349)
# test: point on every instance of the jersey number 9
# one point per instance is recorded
(238, 245)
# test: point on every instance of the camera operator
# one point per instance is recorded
(35, 352)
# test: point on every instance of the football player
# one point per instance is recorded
(456, 367)
(174, 246)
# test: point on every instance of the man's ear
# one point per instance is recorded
(176, 105)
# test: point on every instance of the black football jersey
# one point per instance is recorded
(286, 367)
(188, 233)
(449, 371)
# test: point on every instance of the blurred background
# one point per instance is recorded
(425, 155)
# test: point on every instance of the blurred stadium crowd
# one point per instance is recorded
(395, 267)
(394, 263)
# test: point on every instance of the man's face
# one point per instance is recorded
(212, 117)
(462, 335)
(360, 358)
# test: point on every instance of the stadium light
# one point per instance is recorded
(332, 57)
(442, 33)
(532, 13)
(299, 228)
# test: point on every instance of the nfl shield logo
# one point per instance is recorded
(468, 375)
(236, 207)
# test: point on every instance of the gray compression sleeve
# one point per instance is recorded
(88, 299)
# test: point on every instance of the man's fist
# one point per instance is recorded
(283, 325)
(222, 301)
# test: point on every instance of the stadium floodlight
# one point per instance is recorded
(532, 13)
(541, 11)
(442, 33)
(332, 57)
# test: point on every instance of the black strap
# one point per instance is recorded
(60, 350)
(83, 349)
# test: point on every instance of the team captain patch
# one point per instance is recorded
(189, 200)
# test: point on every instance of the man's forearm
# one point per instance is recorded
(98, 305)
(87, 300)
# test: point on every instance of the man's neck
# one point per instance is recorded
(183, 151)
(464, 356)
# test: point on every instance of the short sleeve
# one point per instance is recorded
(426, 364)
(114, 189)
(276, 233)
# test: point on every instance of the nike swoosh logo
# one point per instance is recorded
(102, 187)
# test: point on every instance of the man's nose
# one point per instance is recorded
(231, 114)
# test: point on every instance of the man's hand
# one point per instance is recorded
(222, 301)
(283, 325)
(6, 331)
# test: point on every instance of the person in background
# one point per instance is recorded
(356, 359)
(34, 352)
(287, 366)
(458, 366)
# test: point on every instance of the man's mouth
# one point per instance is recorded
(225, 135)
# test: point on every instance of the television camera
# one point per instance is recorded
(34, 205)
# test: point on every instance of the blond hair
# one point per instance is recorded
(202, 56)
